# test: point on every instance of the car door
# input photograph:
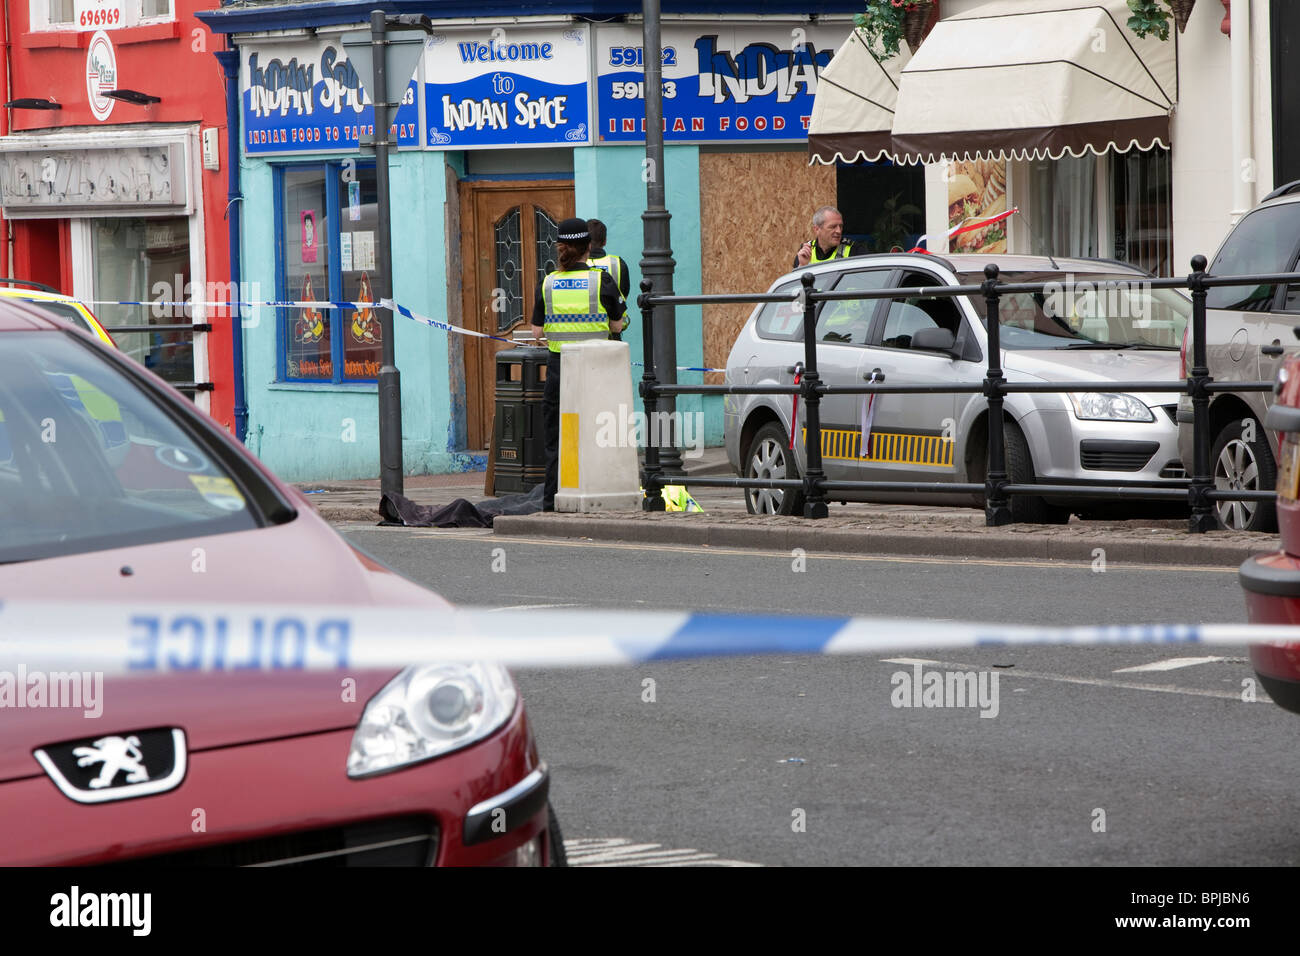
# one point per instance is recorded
(843, 330)
(912, 436)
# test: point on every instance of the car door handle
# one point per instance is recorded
(875, 374)
(1273, 350)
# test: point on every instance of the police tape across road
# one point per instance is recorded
(148, 639)
(312, 303)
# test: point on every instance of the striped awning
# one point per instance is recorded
(1007, 79)
(1019, 80)
(853, 114)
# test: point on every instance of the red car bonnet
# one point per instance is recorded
(301, 562)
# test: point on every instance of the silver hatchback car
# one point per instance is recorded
(1247, 331)
(1073, 333)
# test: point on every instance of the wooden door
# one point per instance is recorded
(507, 247)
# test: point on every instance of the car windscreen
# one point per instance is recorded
(89, 460)
(1075, 313)
(1263, 242)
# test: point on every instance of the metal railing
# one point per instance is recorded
(190, 329)
(997, 489)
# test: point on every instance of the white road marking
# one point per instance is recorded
(531, 607)
(1171, 664)
(1013, 673)
(840, 556)
(618, 851)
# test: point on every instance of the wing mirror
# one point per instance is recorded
(934, 340)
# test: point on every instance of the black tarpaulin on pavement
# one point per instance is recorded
(396, 509)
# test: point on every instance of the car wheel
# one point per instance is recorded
(554, 840)
(770, 456)
(1240, 465)
(1020, 471)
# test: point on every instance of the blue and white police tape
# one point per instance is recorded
(138, 639)
(223, 304)
(686, 368)
(437, 324)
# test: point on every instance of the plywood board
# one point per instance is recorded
(755, 212)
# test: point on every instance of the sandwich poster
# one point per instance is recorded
(976, 191)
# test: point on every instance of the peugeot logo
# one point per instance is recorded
(118, 766)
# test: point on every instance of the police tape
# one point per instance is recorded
(141, 640)
(686, 368)
(311, 304)
(436, 323)
(218, 303)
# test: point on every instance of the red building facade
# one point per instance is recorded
(113, 176)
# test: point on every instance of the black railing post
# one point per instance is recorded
(997, 506)
(652, 481)
(1202, 518)
(814, 497)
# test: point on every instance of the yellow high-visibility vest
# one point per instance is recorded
(574, 312)
(841, 252)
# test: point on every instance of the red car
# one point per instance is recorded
(1272, 582)
(113, 487)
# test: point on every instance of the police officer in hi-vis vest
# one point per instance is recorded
(826, 243)
(575, 303)
(601, 259)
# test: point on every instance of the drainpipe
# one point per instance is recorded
(1243, 161)
(229, 60)
(4, 131)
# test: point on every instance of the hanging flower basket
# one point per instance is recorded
(915, 19)
(886, 23)
(1182, 11)
(1149, 17)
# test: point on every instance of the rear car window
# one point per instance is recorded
(781, 320)
(847, 321)
(89, 461)
(1264, 241)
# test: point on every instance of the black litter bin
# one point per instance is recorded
(518, 438)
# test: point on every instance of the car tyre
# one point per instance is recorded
(554, 840)
(1020, 471)
(769, 456)
(1237, 464)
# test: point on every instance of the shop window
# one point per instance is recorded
(1063, 207)
(142, 260)
(882, 204)
(327, 237)
(1142, 195)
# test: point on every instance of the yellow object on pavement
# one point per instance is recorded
(677, 498)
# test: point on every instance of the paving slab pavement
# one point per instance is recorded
(888, 529)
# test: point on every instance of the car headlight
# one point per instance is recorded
(1110, 407)
(428, 711)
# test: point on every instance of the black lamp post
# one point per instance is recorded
(386, 95)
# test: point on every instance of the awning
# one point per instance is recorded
(854, 110)
(1068, 77)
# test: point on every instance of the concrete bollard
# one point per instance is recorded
(595, 378)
